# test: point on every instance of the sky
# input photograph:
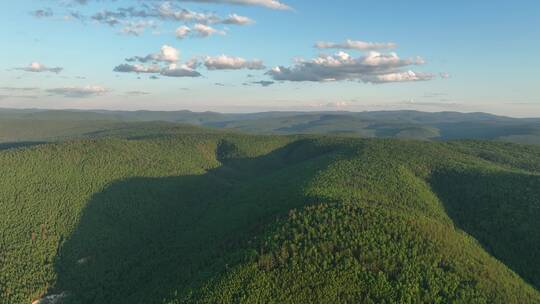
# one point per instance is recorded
(279, 55)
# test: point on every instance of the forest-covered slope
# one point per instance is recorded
(206, 217)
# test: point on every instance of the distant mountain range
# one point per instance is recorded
(33, 124)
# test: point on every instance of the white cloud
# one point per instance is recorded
(372, 68)
(237, 20)
(183, 70)
(356, 45)
(137, 28)
(402, 76)
(37, 67)
(166, 54)
(182, 32)
(170, 54)
(137, 68)
(168, 11)
(172, 70)
(79, 92)
(169, 57)
(225, 62)
(272, 4)
(205, 30)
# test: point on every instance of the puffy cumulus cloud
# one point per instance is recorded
(169, 54)
(79, 92)
(182, 70)
(272, 4)
(356, 45)
(401, 77)
(225, 62)
(182, 32)
(204, 30)
(136, 68)
(166, 54)
(37, 67)
(371, 68)
(237, 20)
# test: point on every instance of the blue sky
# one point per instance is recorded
(425, 55)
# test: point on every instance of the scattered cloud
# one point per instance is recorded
(37, 67)
(264, 83)
(169, 56)
(204, 30)
(108, 17)
(137, 68)
(19, 89)
(182, 70)
(137, 93)
(42, 13)
(444, 75)
(237, 20)
(356, 45)
(272, 4)
(168, 11)
(371, 68)
(182, 32)
(137, 28)
(402, 77)
(166, 54)
(225, 62)
(79, 92)
(75, 16)
(198, 30)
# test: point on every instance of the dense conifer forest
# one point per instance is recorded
(205, 216)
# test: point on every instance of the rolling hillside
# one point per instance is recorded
(199, 216)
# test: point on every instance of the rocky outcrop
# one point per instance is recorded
(51, 299)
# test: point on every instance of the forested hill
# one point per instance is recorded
(47, 125)
(213, 217)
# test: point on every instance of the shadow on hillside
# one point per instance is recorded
(142, 240)
(499, 209)
(19, 145)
